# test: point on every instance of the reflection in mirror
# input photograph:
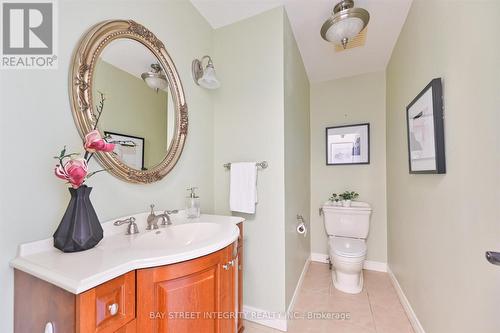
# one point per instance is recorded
(139, 113)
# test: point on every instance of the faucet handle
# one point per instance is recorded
(152, 206)
(132, 228)
(169, 212)
(127, 220)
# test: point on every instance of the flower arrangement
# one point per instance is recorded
(349, 195)
(345, 198)
(72, 167)
(80, 228)
(335, 198)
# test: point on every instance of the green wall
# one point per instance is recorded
(265, 116)
(352, 100)
(297, 160)
(249, 126)
(439, 226)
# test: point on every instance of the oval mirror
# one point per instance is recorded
(126, 86)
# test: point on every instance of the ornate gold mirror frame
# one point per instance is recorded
(82, 101)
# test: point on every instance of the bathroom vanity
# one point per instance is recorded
(185, 277)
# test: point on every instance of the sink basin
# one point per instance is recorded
(182, 235)
(193, 232)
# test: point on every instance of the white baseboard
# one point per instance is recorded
(319, 257)
(271, 319)
(368, 264)
(299, 284)
(265, 318)
(378, 266)
(415, 323)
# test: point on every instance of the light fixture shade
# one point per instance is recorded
(155, 79)
(155, 82)
(347, 28)
(209, 79)
(345, 23)
(204, 77)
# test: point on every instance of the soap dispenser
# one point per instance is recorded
(192, 204)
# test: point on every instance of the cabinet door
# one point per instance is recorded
(129, 328)
(192, 296)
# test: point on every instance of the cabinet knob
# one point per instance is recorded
(113, 309)
(49, 328)
(228, 265)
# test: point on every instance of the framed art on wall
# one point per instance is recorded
(424, 119)
(348, 144)
(129, 149)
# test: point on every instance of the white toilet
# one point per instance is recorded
(347, 229)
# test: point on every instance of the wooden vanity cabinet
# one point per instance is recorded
(197, 295)
(240, 280)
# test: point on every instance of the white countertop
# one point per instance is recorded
(118, 253)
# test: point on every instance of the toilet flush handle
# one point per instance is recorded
(493, 257)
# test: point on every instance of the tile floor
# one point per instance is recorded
(375, 310)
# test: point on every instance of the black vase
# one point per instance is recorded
(80, 228)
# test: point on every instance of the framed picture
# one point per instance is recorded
(130, 149)
(426, 130)
(348, 144)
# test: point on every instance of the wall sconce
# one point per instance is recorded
(205, 77)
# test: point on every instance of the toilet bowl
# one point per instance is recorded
(347, 256)
(347, 229)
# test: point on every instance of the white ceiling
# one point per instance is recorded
(307, 16)
(129, 56)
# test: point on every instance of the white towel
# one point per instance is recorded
(243, 189)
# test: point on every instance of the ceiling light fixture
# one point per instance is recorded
(345, 23)
(155, 79)
(205, 77)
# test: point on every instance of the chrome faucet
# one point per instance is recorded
(153, 218)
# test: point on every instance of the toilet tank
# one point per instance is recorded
(351, 221)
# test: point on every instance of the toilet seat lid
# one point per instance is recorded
(348, 247)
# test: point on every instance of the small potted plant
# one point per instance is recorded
(347, 198)
(335, 199)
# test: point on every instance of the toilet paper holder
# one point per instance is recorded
(301, 225)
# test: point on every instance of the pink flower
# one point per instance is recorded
(94, 142)
(74, 171)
